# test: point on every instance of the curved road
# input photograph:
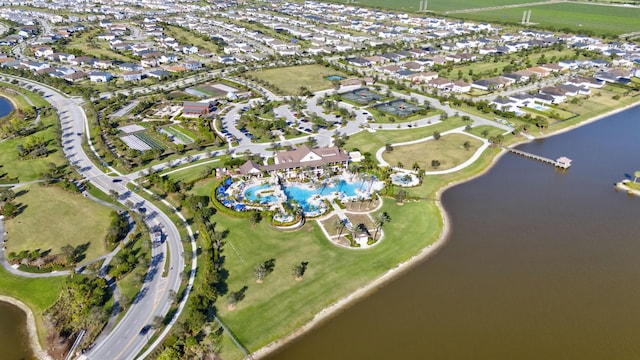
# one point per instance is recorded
(128, 338)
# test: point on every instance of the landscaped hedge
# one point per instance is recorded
(225, 210)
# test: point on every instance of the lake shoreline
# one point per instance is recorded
(37, 350)
(431, 249)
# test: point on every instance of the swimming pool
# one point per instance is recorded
(335, 78)
(306, 196)
(254, 194)
(539, 107)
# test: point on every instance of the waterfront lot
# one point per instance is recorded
(290, 79)
(448, 150)
(53, 218)
(280, 304)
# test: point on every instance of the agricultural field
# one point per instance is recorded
(289, 79)
(578, 17)
(142, 141)
(434, 5)
(177, 134)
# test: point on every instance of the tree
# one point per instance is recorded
(636, 175)
(255, 218)
(260, 271)
(69, 252)
(156, 323)
(388, 147)
(9, 209)
(379, 222)
(466, 145)
(485, 133)
(435, 163)
(340, 226)
(299, 270)
(400, 196)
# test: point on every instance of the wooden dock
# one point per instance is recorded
(561, 162)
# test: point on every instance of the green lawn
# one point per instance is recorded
(593, 106)
(487, 68)
(88, 43)
(189, 175)
(186, 37)
(448, 150)
(371, 142)
(578, 17)
(38, 294)
(280, 305)
(493, 131)
(290, 79)
(13, 169)
(53, 218)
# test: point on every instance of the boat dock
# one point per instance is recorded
(562, 162)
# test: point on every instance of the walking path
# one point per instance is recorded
(471, 160)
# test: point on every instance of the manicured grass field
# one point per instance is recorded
(493, 131)
(579, 17)
(290, 79)
(371, 142)
(88, 43)
(599, 102)
(186, 37)
(53, 218)
(448, 150)
(38, 294)
(26, 170)
(279, 305)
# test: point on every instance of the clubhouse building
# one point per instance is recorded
(301, 162)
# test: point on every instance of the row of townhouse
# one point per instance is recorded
(557, 94)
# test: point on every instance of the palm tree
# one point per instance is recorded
(340, 226)
(379, 222)
(636, 175)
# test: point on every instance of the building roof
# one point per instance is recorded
(301, 157)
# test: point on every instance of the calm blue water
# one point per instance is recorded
(335, 78)
(5, 106)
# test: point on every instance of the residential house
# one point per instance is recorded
(75, 77)
(193, 65)
(100, 76)
(132, 76)
(441, 84)
(558, 94)
(461, 87)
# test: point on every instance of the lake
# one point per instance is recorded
(14, 338)
(540, 264)
(6, 107)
